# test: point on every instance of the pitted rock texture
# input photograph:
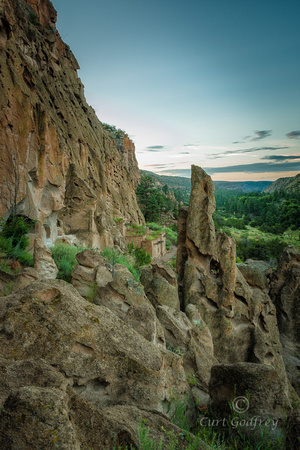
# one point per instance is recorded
(114, 286)
(160, 284)
(64, 360)
(240, 315)
(261, 385)
(285, 293)
(12, 282)
(74, 179)
(189, 339)
(41, 410)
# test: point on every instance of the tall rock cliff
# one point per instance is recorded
(232, 299)
(74, 179)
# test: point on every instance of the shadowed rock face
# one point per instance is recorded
(74, 179)
(241, 317)
(285, 293)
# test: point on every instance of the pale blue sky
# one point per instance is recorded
(214, 83)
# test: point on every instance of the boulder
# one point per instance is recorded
(90, 259)
(92, 271)
(160, 284)
(255, 389)
(114, 286)
(285, 293)
(256, 273)
(52, 417)
(105, 361)
(293, 430)
(184, 338)
(12, 282)
(142, 318)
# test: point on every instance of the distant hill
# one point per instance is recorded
(242, 186)
(172, 182)
(185, 183)
(289, 184)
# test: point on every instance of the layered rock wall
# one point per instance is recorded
(73, 178)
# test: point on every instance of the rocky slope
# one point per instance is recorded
(73, 178)
(82, 364)
(289, 184)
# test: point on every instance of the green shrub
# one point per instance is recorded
(176, 350)
(171, 235)
(154, 226)
(16, 229)
(21, 255)
(14, 240)
(141, 257)
(114, 257)
(145, 442)
(172, 263)
(64, 256)
(264, 249)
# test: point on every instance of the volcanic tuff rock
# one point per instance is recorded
(74, 372)
(43, 261)
(74, 179)
(160, 284)
(267, 390)
(285, 293)
(241, 317)
(114, 287)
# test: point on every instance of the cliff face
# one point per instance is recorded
(73, 178)
(232, 299)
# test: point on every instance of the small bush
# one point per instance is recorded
(16, 229)
(14, 240)
(136, 230)
(141, 257)
(154, 226)
(114, 257)
(64, 256)
(171, 235)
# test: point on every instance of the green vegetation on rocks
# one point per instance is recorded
(14, 240)
(64, 256)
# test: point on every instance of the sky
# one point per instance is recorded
(214, 83)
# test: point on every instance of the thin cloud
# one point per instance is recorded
(261, 134)
(155, 148)
(256, 168)
(280, 158)
(246, 168)
(244, 150)
(156, 166)
(293, 134)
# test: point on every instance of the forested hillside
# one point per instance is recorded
(263, 224)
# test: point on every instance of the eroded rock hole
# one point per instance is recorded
(215, 268)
